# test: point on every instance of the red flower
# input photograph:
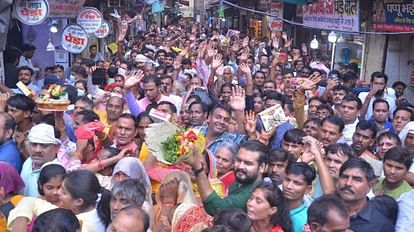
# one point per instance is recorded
(191, 135)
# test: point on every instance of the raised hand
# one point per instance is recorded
(288, 42)
(237, 99)
(217, 61)
(284, 36)
(309, 83)
(201, 51)
(3, 99)
(315, 78)
(374, 89)
(332, 83)
(245, 69)
(134, 79)
(250, 123)
(183, 52)
(275, 42)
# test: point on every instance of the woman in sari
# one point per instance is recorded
(176, 209)
(10, 185)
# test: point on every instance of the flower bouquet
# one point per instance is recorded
(168, 143)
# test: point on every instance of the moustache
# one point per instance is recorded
(348, 188)
(241, 171)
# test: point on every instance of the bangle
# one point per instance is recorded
(197, 172)
(101, 166)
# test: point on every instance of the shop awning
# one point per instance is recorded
(298, 2)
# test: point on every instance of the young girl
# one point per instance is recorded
(50, 182)
(79, 193)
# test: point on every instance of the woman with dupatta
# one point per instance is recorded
(132, 168)
(176, 209)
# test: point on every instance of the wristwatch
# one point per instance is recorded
(197, 172)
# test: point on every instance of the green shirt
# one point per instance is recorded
(237, 198)
(395, 193)
(299, 217)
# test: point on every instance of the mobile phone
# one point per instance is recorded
(333, 76)
(98, 76)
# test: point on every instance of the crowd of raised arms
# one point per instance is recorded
(341, 161)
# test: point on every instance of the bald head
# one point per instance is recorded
(130, 219)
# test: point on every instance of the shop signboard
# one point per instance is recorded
(74, 38)
(393, 15)
(276, 9)
(339, 15)
(31, 12)
(90, 19)
(103, 31)
(65, 9)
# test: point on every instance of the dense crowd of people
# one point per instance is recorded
(341, 161)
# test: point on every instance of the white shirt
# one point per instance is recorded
(348, 132)
(405, 211)
(177, 101)
(387, 96)
(23, 61)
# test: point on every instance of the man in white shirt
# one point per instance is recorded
(351, 106)
(44, 148)
(378, 89)
(26, 57)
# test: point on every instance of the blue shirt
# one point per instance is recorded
(387, 125)
(9, 153)
(225, 136)
(31, 86)
(299, 217)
